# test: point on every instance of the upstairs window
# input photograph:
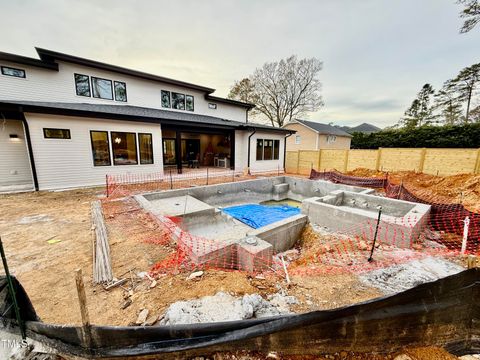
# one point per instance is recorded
(82, 85)
(9, 71)
(189, 105)
(166, 99)
(297, 139)
(102, 88)
(178, 101)
(331, 139)
(120, 91)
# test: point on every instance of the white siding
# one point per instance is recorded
(52, 86)
(67, 163)
(266, 165)
(14, 160)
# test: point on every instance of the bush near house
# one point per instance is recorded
(447, 136)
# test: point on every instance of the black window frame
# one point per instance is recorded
(108, 147)
(169, 98)
(193, 102)
(136, 147)
(16, 69)
(276, 147)
(256, 150)
(115, 82)
(93, 88)
(274, 142)
(54, 137)
(184, 101)
(88, 82)
(140, 153)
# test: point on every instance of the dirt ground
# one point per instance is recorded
(461, 188)
(47, 235)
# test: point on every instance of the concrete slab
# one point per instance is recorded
(180, 206)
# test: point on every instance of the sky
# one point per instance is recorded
(376, 54)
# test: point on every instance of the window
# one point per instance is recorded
(268, 149)
(331, 139)
(120, 91)
(146, 148)
(297, 139)
(124, 147)
(9, 71)
(82, 85)
(259, 149)
(189, 103)
(212, 106)
(178, 101)
(166, 99)
(102, 88)
(169, 157)
(100, 148)
(56, 133)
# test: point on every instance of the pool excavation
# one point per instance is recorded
(242, 225)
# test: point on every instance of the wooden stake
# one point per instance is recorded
(82, 300)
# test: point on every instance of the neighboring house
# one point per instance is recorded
(67, 121)
(311, 135)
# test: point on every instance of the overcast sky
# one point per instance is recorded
(376, 53)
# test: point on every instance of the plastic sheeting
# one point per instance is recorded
(257, 216)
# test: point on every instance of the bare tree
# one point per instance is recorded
(282, 90)
(471, 14)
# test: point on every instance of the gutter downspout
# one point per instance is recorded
(30, 152)
(249, 138)
(285, 150)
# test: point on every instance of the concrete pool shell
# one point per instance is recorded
(210, 236)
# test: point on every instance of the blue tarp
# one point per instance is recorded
(256, 216)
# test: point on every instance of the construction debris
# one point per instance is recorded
(142, 317)
(102, 268)
(195, 275)
(115, 284)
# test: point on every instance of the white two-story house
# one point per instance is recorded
(67, 122)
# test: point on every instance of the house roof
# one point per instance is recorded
(48, 57)
(323, 128)
(135, 113)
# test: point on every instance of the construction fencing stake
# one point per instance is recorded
(466, 224)
(11, 291)
(370, 259)
(171, 180)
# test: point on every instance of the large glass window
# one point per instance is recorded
(82, 85)
(120, 91)
(166, 99)
(259, 149)
(178, 101)
(268, 149)
(9, 71)
(146, 148)
(124, 147)
(169, 157)
(100, 148)
(276, 147)
(189, 105)
(102, 88)
(49, 133)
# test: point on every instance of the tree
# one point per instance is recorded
(420, 111)
(475, 115)
(471, 14)
(282, 90)
(448, 103)
(465, 84)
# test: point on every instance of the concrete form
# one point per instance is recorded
(217, 239)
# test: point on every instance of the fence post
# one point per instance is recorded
(476, 170)
(207, 175)
(379, 156)
(370, 259)
(106, 184)
(422, 160)
(466, 224)
(171, 180)
(345, 164)
(233, 175)
(298, 161)
(319, 160)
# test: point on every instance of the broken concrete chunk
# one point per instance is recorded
(151, 321)
(142, 317)
(195, 275)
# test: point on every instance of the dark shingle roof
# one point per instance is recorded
(323, 128)
(132, 112)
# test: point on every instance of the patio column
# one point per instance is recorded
(178, 151)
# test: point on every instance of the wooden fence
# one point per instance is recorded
(430, 161)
